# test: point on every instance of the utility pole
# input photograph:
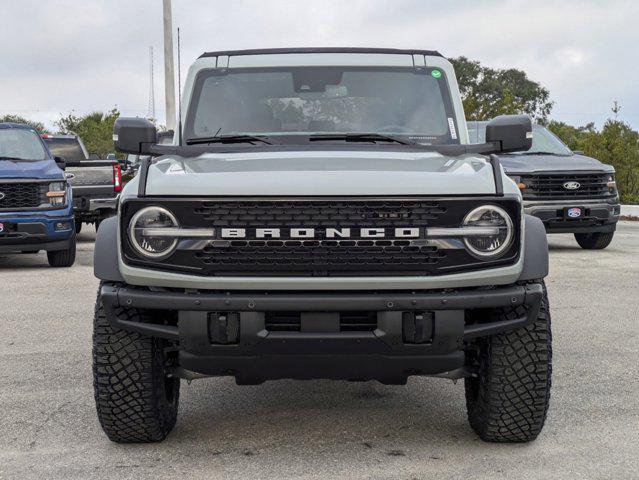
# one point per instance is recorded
(151, 110)
(169, 75)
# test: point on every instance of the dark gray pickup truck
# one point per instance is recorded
(96, 183)
(568, 191)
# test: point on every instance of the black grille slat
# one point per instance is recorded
(20, 195)
(348, 321)
(550, 187)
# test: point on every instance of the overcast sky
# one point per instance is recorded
(86, 55)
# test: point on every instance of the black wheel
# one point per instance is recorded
(508, 400)
(63, 258)
(594, 241)
(78, 226)
(97, 225)
(135, 400)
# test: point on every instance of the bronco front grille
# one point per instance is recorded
(551, 186)
(320, 256)
(20, 195)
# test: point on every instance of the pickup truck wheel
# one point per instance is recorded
(135, 400)
(594, 241)
(62, 258)
(78, 226)
(508, 400)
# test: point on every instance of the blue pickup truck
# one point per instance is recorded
(36, 208)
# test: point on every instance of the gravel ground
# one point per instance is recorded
(322, 429)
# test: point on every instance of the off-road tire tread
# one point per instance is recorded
(508, 402)
(62, 258)
(594, 241)
(128, 380)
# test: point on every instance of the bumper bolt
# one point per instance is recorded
(390, 304)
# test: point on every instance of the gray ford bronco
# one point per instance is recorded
(322, 214)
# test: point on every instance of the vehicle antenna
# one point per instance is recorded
(179, 88)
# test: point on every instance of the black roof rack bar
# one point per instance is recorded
(274, 51)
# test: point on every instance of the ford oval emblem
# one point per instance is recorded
(572, 185)
(1, 195)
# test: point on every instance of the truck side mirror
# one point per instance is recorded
(134, 135)
(60, 162)
(512, 133)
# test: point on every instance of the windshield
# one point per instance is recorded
(299, 102)
(21, 144)
(69, 148)
(544, 141)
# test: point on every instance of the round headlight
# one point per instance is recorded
(489, 245)
(141, 232)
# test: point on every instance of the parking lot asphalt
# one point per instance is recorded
(322, 429)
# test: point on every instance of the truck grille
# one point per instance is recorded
(319, 256)
(551, 186)
(20, 195)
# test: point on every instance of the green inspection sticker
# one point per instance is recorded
(436, 73)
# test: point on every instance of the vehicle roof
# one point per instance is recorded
(276, 51)
(483, 123)
(22, 126)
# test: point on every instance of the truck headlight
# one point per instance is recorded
(57, 194)
(611, 184)
(141, 232)
(488, 246)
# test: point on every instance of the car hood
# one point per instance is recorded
(551, 163)
(322, 173)
(40, 170)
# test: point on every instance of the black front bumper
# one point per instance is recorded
(319, 350)
(597, 217)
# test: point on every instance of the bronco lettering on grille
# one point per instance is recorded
(313, 233)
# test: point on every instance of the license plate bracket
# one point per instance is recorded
(574, 212)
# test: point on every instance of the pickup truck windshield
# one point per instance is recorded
(298, 102)
(21, 144)
(544, 141)
(69, 148)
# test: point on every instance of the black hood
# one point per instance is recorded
(551, 163)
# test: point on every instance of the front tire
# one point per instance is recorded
(508, 400)
(135, 400)
(78, 226)
(594, 241)
(63, 258)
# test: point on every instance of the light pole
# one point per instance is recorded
(169, 75)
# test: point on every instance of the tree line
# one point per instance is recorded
(486, 93)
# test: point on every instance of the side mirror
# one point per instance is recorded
(134, 135)
(513, 133)
(166, 138)
(60, 162)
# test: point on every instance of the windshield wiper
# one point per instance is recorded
(359, 137)
(227, 139)
(2, 157)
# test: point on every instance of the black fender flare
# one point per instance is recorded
(105, 255)
(535, 249)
